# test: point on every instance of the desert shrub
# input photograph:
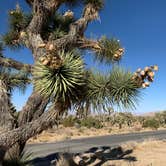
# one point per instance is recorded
(151, 123)
(140, 119)
(69, 121)
(161, 117)
(90, 122)
(120, 119)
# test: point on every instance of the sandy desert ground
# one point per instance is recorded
(147, 153)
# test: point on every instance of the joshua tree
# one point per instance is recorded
(59, 76)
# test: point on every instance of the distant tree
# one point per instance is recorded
(59, 76)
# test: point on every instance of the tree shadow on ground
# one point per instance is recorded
(96, 156)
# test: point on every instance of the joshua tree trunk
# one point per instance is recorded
(87, 109)
(32, 106)
(23, 133)
(33, 109)
(6, 119)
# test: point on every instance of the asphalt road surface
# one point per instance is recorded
(47, 151)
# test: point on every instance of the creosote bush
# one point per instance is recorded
(161, 117)
(69, 121)
(151, 123)
(90, 122)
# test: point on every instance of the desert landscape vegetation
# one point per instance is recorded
(72, 127)
(69, 99)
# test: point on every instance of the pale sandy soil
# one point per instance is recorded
(148, 153)
(61, 133)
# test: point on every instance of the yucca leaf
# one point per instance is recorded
(122, 88)
(61, 84)
(109, 47)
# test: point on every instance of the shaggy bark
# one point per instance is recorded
(23, 133)
(41, 109)
(34, 108)
(42, 11)
(6, 119)
(33, 104)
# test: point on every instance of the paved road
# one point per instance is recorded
(81, 145)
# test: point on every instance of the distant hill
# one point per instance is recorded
(151, 113)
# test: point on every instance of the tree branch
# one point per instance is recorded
(77, 28)
(41, 109)
(23, 133)
(84, 43)
(6, 119)
(42, 11)
(8, 62)
(32, 105)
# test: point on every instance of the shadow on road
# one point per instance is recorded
(95, 155)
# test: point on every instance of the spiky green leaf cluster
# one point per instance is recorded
(17, 22)
(97, 92)
(98, 4)
(108, 50)
(59, 21)
(122, 88)
(56, 34)
(62, 84)
(116, 88)
(14, 79)
(57, 27)
(10, 39)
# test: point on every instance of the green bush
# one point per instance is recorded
(141, 119)
(69, 121)
(151, 123)
(161, 117)
(90, 122)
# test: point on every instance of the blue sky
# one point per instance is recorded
(140, 26)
